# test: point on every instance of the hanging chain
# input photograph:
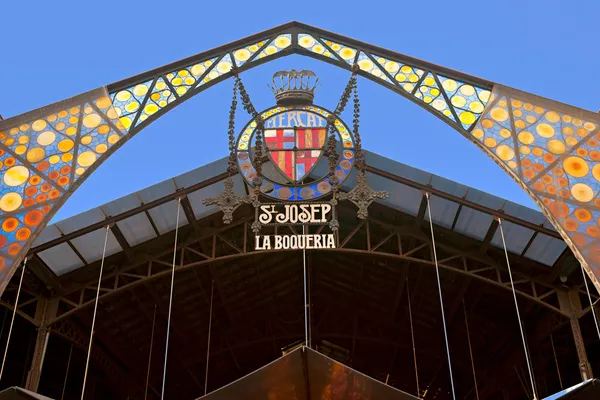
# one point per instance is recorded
(360, 156)
(332, 142)
(258, 132)
(232, 164)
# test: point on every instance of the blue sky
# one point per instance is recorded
(54, 50)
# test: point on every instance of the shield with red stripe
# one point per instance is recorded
(295, 151)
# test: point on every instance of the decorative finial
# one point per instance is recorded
(294, 87)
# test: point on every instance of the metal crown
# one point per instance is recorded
(294, 87)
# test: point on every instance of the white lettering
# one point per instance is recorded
(294, 214)
(296, 242)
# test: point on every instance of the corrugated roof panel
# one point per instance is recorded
(397, 168)
(203, 173)
(442, 211)
(401, 197)
(485, 199)
(81, 221)
(545, 249)
(47, 234)
(165, 216)
(157, 191)
(200, 210)
(448, 186)
(473, 223)
(61, 259)
(121, 205)
(524, 213)
(136, 229)
(516, 237)
(91, 245)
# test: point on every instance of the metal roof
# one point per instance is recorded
(76, 241)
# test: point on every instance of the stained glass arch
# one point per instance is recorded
(550, 149)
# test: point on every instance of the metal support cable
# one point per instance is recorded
(62, 396)
(437, 272)
(12, 321)
(162, 395)
(470, 349)
(412, 336)
(525, 349)
(305, 295)
(556, 361)
(87, 363)
(212, 292)
(587, 288)
(150, 354)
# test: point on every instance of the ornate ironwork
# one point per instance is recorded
(227, 201)
(362, 195)
(294, 87)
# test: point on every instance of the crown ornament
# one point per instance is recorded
(294, 87)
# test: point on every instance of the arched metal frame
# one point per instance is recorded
(547, 147)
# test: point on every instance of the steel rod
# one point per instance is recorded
(412, 336)
(470, 349)
(87, 363)
(556, 361)
(587, 288)
(512, 284)
(62, 396)
(306, 310)
(212, 292)
(150, 354)
(162, 395)
(12, 321)
(437, 272)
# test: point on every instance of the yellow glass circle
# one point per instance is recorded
(132, 107)
(151, 109)
(467, 90)
(21, 149)
(391, 66)
(55, 158)
(23, 139)
(478, 133)
(224, 66)
(449, 84)
(524, 150)
(526, 137)
(161, 85)
(282, 42)
(101, 148)
(458, 101)
(38, 125)
(505, 152)
(490, 142)
(476, 107)
(556, 146)
(306, 41)
(505, 133)
(347, 53)
(66, 157)
(65, 145)
(16, 176)
(365, 64)
(181, 90)
(123, 95)
(112, 139)
(80, 171)
(86, 158)
(552, 117)
(499, 114)
(545, 130)
(36, 154)
(91, 121)
(596, 172)
(86, 140)
(467, 117)
(10, 202)
(140, 90)
(582, 192)
(576, 166)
